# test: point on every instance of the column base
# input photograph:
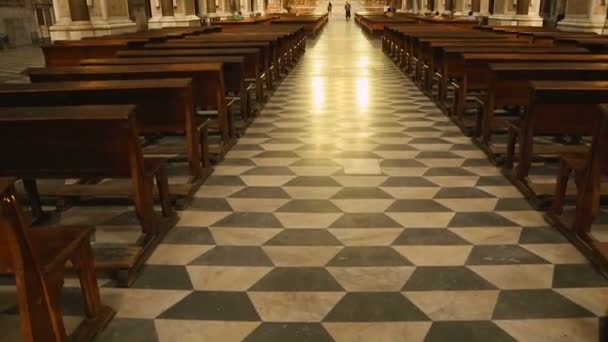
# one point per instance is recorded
(74, 30)
(514, 20)
(111, 27)
(174, 21)
(581, 25)
(529, 20)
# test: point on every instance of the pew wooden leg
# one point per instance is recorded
(40, 319)
(259, 91)
(526, 142)
(83, 258)
(144, 205)
(203, 134)
(457, 98)
(588, 202)
(32, 192)
(245, 111)
(511, 142)
(162, 182)
(561, 186)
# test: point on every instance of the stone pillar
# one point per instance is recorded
(73, 20)
(516, 13)
(484, 8)
(448, 7)
(111, 17)
(260, 8)
(246, 10)
(416, 7)
(202, 8)
(211, 8)
(527, 13)
(425, 6)
(173, 13)
(584, 16)
(504, 13)
(408, 6)
(225, 8)
(440, 6)
(461, 7)
(76, 19)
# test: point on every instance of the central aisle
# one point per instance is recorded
(352, 209)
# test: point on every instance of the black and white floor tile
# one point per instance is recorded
(353, 210)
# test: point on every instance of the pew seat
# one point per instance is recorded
(89, 144)
(38, 257)
(588, 170)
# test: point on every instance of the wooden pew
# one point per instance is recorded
(285, 47)
(587, 170)
(412, 44)
(374, 23)
(474, 67)
(232, 66)
(450, 54)
(208, 85)
(70, 52)
(290, 42)
(37, 257)
(83, 142)
(265, 49)
(163, 107)
(64, 53)
(548, 38)
(454, 22)
(508, 87)
(252, 21)
(312, 23)
(549, 113)
(159, 35)
(593, 44)
(253, 63)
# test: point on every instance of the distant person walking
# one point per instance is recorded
(329, 7)
(347, 9)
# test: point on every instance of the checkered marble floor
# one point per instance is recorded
(353, 210)
(13, 61)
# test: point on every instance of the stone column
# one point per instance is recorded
(527, 13)
(211, 8)
(584, 16)
(484, 7)
(408, 6)
(73, 20)
(448, 7)
(246, 10)
(202, 8)
(461, 7)
(439, 6)
(76, 19)
(173, 13)
(504, 13)
(425, 6)
(63, 19)
(516, 13)
(260, 8)
(111, 17)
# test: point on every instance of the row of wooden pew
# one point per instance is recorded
(313, 24)
(112, 118)
(374, 22)
(533, 100)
